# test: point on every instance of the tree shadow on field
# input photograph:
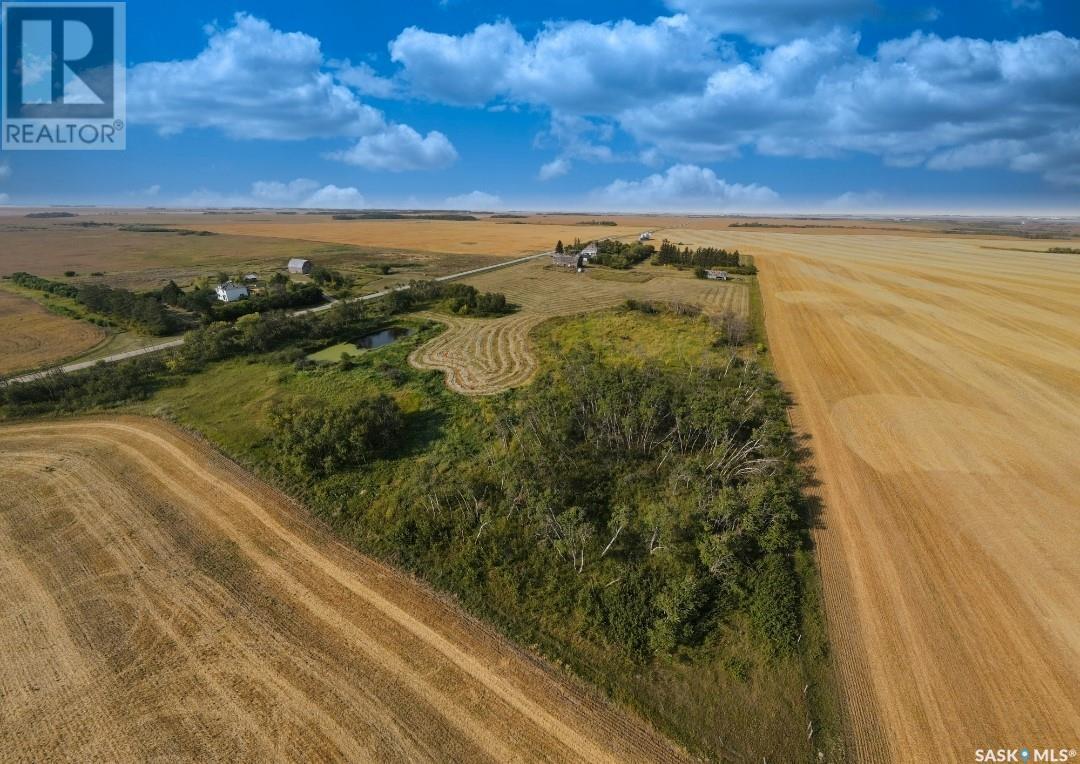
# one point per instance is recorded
(812, 507)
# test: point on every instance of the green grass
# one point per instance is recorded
(757, 322)
(610, 274)
(334, 353)
(628, 336)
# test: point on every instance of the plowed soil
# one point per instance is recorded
(939, 380)
(156, 602)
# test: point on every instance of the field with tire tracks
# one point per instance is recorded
(157, 602)
(939, 382)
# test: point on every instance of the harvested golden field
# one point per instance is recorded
(481, 237)
(31, 336)
(482, 356)
(136, 259)
(939, 380)
(159, 603)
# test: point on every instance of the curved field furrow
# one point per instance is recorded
(483, 356)
(140, 571)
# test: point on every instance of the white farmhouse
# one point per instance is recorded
(230, 292)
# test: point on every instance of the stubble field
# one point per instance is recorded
(482, 356)
(479, 237)
(31, 336)
(160, 603)
(939, 381)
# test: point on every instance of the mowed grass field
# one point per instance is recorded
(482, 356)
(31, 336)
(939, 380)
(159, 602)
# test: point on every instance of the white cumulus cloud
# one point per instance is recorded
(5, 170)
(333, 197)
(682, 90)
(400, 148)
(474, 200)
(252, 81)
(773, 21)
(556, 168)
(684, 187)
(302, 193)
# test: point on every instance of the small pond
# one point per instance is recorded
(384, 337)
(371, 341)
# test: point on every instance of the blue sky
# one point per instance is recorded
(674, 105)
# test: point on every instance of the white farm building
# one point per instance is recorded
(300, 265)
(230, 292)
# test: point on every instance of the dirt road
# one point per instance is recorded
(940, 382)
(157, 602)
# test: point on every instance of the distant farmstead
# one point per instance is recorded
(646, 236)
(566, 260)
(717, 275)
(230, 292)
(299, 265)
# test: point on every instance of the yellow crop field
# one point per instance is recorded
(31, 336)
(482, 356)
(479, 237)
(939, 380)
(160, 603)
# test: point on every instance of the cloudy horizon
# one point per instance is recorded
(697, 106)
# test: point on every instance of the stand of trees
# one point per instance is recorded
(703, 257)
(142, 310)
(459, 298)
(683, 486)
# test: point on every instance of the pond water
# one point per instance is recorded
(384, 337)
(371, 341)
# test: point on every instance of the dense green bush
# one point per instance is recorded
(59, 288)
(315, 441)
(774, 606)
(458, 298)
